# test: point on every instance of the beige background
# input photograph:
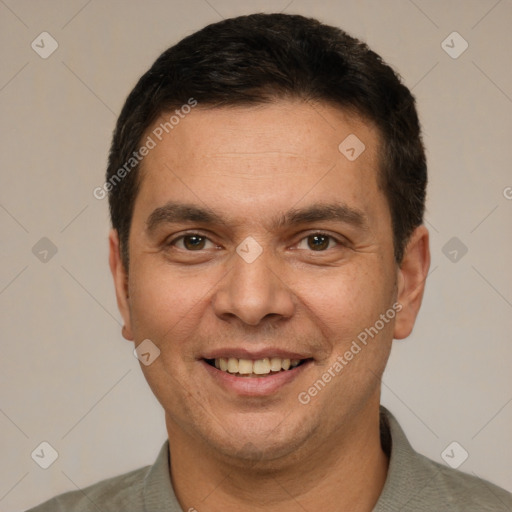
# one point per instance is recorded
(67, 376)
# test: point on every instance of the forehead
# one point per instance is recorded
(275, 155)
(308, 130)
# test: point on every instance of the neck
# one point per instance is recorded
(345, 472)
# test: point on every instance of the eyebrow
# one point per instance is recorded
(176, 212)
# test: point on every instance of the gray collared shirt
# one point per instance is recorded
(414, 484)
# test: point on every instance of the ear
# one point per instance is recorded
(412, 274)
(120, 276)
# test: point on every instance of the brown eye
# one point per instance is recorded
(318, 242)
(191, 247)
(194, 242)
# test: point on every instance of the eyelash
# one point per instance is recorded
(181, 237)
(316, 233)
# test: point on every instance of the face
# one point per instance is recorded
(256, 246)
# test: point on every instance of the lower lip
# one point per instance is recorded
(255, 386)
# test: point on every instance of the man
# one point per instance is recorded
(267, 185)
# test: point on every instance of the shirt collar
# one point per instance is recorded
(408, 472)
(158, 491)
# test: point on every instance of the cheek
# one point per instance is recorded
(344, 302)
(163, 302)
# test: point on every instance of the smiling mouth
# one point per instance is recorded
(255, 368)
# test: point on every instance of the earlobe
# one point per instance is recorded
(411, 278)
(120, 277)
(127, 335)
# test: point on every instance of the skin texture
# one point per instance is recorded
(252, 165)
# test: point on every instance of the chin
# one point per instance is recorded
(259, 440)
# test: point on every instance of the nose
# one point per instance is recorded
(253, 292)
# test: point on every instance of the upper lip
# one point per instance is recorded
(241, 353)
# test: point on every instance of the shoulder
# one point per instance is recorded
(147, 488)
(123, 492)
(416, 483)
(457, 491)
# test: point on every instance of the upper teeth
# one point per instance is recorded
(258, 367)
